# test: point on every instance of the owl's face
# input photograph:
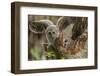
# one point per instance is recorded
(52, 32)
(66, 42)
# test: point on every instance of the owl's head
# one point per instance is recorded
(52, 32)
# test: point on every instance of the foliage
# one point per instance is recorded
(36, 53)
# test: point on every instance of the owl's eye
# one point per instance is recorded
(49, 33)
(66, 40)
(53, 32)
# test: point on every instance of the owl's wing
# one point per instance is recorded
(79, 25)
(64, 21)
(38, 27)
